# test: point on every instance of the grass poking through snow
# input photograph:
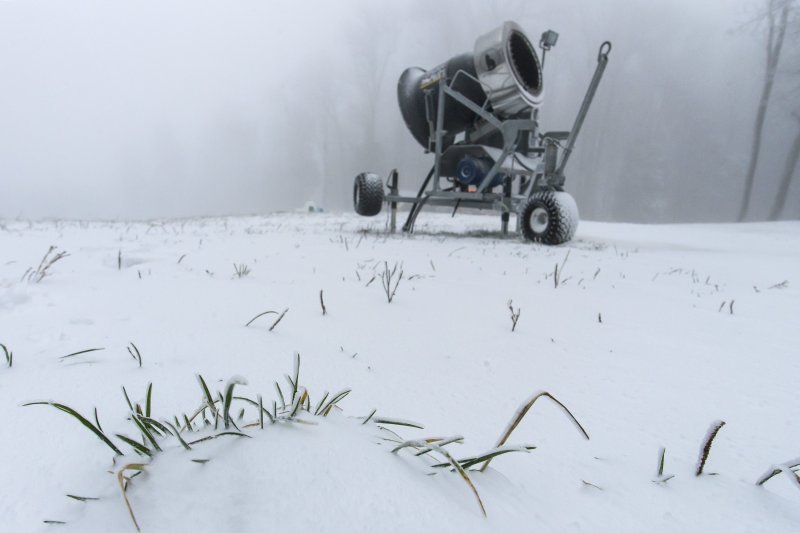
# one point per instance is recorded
(8, 355)
(706, 447)
(296, 406)
(514, 315)
(789, 468)
(660, 477)
(43, 270)
(73, 354)
(387, 277)
(240, 270)
(523, 410)
(277, 320)
(134, 351)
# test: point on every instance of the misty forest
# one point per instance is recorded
(421, 265)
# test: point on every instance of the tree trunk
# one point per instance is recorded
(788, 174)
(777, 31)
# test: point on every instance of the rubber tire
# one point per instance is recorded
(368, 194)
(562, 221)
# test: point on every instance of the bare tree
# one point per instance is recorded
(793, 157)
(777, 16)
(789, 172)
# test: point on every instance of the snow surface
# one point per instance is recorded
(639, 340)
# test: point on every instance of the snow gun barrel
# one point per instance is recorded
(503, 75)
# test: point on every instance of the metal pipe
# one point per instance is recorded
(394, 188)
(602, 61)
(409, 224)
(439, 133)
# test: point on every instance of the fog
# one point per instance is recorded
(176, 108)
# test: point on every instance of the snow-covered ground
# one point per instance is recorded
(652, 334)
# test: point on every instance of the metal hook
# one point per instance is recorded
(605, 49)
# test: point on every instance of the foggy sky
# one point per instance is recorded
(174, 108)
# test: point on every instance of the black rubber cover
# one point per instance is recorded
(457, 118)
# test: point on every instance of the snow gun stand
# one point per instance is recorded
(478, 114)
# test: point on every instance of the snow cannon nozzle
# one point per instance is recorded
(502, 74)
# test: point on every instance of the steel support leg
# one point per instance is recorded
(412, 214)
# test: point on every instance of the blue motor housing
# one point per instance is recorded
(472, 170)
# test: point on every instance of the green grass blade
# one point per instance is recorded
(221, 434)
(369, 417)
(75, 414)
(228, 400)
(247, 400)
(292, 388)
(137, 355)
(207, 394)
(232, 434)
(397, 422)
(298, 403)
(296, 381)
(258, 404)
(259, 316)
(320, 404)
(127, 399)
(472, 461)
(82, 498)
(145, 431)
(140, 448)
(279, 319)
(427, 445)
(178, 435)
(97, 420)
(9, 355)
(333, 401)
(787, 468)
(155, 424)
(280, 394)
(416, 443)
(148, 399)
(81, 352)
(442, 442)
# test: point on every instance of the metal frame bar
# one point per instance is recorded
(602, 61)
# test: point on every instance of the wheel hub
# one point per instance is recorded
(540, 219)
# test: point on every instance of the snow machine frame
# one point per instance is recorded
(535, 168)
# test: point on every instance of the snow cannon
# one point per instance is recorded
(477, 113)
